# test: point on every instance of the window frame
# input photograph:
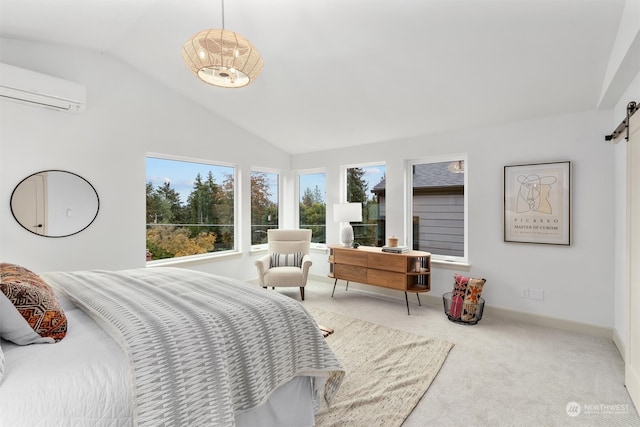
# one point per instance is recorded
(236, 220)
(464, 260)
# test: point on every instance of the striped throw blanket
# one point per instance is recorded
(201, 346)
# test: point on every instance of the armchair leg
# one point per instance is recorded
(302, 292)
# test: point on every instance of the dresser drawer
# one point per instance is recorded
(350, 256)
(387, 261)
(352, 273)
(387, 279)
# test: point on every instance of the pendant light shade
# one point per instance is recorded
(222, 58)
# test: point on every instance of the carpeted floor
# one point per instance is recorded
(501, 372)
(387, 371)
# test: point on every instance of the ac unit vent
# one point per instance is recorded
(41, 90)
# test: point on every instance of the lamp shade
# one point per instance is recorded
(347, 212)
(222, 58)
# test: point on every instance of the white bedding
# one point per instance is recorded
(81, 381)
(85, 380)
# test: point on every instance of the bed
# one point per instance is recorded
(161, 346)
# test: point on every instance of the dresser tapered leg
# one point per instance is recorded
(407, 299)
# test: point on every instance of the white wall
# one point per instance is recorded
(577, 280)
(126, 117)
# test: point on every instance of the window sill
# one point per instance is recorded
(194, 259)
(258, 251)
(319, 249)
(453, 265)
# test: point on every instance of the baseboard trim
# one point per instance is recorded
(617, 340)
(552, 322)
(505, 313)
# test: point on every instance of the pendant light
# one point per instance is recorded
(222, 58)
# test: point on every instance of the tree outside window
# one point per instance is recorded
(264, 205)
(312, 205)
(361, 183)
(190, 208)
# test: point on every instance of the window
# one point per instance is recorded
(312, 205)
(190, 208)
(363, 185)
(438, 208)
(264, 205)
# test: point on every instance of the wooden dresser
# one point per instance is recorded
(408, 272)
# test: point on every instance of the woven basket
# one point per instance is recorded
(465, 313)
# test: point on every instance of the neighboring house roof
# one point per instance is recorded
(430, 175)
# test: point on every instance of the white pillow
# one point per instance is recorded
(29, 308)
(283, 260)
(14, 328)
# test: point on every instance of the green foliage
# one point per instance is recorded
(264, 212)
(370, 231)
(208, 214)
(207, 218)
(356, 185)
(171, 241)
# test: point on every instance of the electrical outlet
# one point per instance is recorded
(536, 294)
(524, 293)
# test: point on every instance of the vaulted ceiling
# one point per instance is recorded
(347, 72)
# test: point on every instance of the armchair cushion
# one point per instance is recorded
(286, 260)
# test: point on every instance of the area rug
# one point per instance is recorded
(387, 371)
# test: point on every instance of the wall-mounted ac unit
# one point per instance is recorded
(30, 87)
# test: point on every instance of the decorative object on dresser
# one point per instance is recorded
(408, 271)
(464, 304)
(345, 213)
(395, 249)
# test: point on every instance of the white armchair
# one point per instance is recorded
(288, 261)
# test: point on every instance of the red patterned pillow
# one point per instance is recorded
(35, 302)
(472, 299)
(459, 285)
(456, 307)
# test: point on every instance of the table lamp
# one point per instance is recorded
(345, 213)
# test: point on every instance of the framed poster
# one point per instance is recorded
(537, 203)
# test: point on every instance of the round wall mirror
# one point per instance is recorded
(54, 203)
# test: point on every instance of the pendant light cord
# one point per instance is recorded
(223, 14)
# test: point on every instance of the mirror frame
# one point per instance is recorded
(55, 170)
